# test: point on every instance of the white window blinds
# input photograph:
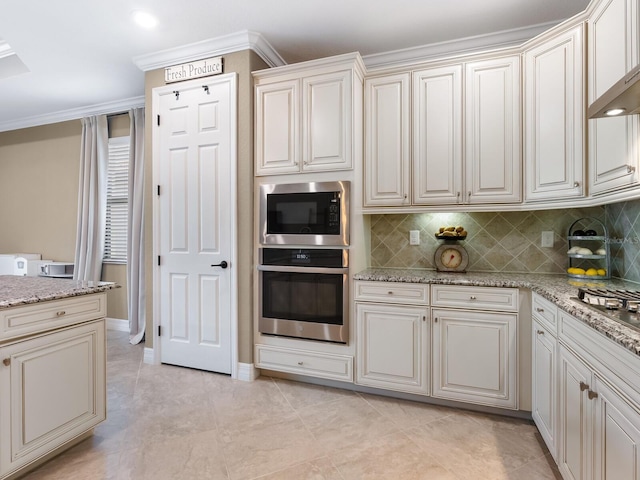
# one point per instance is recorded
(115, 248)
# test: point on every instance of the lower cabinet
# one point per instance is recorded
(52, 389)
(475, 357)
(393, 347)
(599, 412)
(544, 392)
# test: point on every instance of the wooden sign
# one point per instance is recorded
(187, 71)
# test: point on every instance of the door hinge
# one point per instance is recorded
(158, 120)
(158, 190)
(159, 330)
(158, 260)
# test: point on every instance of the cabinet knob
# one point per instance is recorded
(576, 184)
(300, 363)
(424, 318)
(60, 313)
(390, 292)
(6, 362)
(539, 310)
(631, 169)
(591, 394)
(540, 332)
(469, 194)
(583, 386)
(472, 297)
(435, 319)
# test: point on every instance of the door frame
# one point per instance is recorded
(156, 93)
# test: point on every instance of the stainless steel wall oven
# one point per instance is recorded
(304, 293)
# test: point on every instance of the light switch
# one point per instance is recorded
(547, 240)
(414, 237)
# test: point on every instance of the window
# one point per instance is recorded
(115, 247)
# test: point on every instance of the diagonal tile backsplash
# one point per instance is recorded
(623, 223)
(497, 241)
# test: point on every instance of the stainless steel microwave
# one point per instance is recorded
(315, 213)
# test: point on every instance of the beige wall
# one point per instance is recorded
(243, 63)
(39, 169)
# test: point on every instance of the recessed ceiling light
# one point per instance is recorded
(614, 111)
(144, 19)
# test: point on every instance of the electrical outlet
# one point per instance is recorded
(546, 240)
(414, 237)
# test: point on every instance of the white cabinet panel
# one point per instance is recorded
(387, 147)
(544, 401)
(554, 117)
(475, 357)
(492, 131)
(392, 343)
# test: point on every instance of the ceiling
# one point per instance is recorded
(81, 53)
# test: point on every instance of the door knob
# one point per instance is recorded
(222, 264)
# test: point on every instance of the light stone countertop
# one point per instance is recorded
(558, 289)
(16, 290)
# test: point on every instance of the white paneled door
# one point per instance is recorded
(195, 221)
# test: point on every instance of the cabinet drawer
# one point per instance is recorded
(481, 298)
(39, 317)
(393, 292)
(545, 312)
(334, 367)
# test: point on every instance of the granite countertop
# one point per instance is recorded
(17, 290)
(558, 289)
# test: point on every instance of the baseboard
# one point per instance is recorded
(247, 372)
(118, 324)
(148, 357)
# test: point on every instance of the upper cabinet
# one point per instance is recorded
(612, 30)
(554, 116)
(309, 116)
(446, 167)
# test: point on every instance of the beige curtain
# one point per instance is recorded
(136, 289)
(92, 199)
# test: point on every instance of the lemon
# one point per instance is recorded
(592, 272)
(579, 271)
(602, 272)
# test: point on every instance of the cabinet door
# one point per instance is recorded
(613, 51)
(475, 357)
(277, 127)
(51, 391)
(437, 136)
(327, 121)
(554, 112)
(544, 401)
(575, 417)
(617, 435)
(386, 168)
(392, 347)
(492, 131)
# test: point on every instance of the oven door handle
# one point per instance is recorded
(282, 268)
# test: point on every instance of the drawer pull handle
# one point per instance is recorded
(60, 313)
(6, 362)
(424, 318)
(539, 332)
(389, 292)
(591, 394)
(583, 386)
(300, 363)
(539, 310)
(435, 319)
(472, 297)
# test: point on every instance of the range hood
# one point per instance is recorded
(624, 94)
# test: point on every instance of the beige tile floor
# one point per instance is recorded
(166, 422)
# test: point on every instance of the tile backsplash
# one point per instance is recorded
(623, 223)
(496, 242)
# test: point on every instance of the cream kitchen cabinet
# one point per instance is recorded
(447, 166)
(613, 50)
(52, 390)
(392, 336)
(544, 391)
(474, 344)
(387, 131)
(309, 116)
(599, 434)
(554, 115)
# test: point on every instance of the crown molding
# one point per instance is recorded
(468, 45)
(235, 42)
(118, 106)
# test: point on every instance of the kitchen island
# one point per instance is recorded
(52, 370)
